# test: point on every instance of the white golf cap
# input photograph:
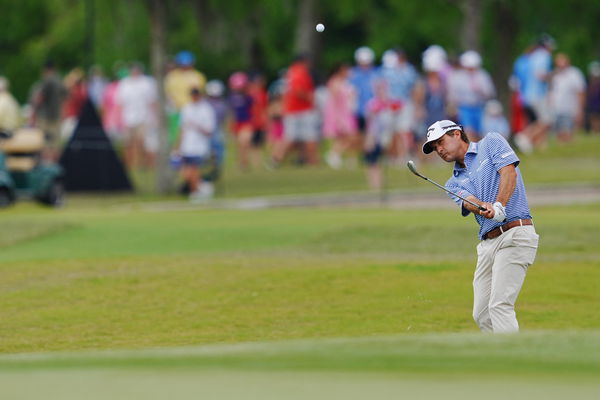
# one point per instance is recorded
(390, 59)
(215, 88)
(436, 131)
(364, 55)
(470, 59)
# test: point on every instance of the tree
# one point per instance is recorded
(157, 12)
(470, 33)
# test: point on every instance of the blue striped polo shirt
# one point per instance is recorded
(481, 179)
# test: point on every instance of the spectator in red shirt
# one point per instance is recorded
(260, 102)
(76, 97)
(299, 117)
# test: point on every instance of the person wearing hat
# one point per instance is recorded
(181, 79)
(363, 76)
(469, 88)
(198, 123)
(401, 78)
(178, 84)
(535, 94)
(487, 173)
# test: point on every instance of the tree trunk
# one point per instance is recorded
(470, 35)
(305, 29)
(158, 50)
(505, 28)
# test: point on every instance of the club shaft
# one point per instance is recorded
(453, 194)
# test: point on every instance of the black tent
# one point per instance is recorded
(89, 159)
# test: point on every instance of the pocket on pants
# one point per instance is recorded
(526, 240)
(525, 237)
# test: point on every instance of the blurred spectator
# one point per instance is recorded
(566, 97)
(363, 76)
(215, 89)
(260, 103)
(10, 114)
(112, 115)
(339, 121)
(137, 97)
(46, 99)
(198, 124)
(181, 79)
(435, 55)
(401, 78)
(275, 139)
(240, 103)
(178, 82)
(76, 97)
(535, 89)
(299, 118)
(494, 119)
(96, 85)
(431, 93)
(381, 111)
(593, 96)
(468, 89)
(518, 85)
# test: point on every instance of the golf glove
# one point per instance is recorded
(499, 212)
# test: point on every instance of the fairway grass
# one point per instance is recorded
(103, 303)
(110, 279)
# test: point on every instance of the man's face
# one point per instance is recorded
(448, 146)
(561, 61)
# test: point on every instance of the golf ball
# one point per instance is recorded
(320, 27)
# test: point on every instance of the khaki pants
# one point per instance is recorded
(502, 264)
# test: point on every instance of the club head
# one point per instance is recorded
(411, 165)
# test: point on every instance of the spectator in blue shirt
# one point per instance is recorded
(363, 76)
(487, 173)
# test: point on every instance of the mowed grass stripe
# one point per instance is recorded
(543, 353)
(415, 235)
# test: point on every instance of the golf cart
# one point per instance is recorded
(23, 174)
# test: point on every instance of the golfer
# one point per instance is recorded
(487, 173)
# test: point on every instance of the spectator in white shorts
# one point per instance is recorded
(401, 78)
(567, 97)
(137, 97)
(198, 124)
(299, 118)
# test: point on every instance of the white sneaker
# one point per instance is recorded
(207, 189)
(334, 160)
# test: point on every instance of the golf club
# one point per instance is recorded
(413, 169)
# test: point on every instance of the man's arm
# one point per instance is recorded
(508, 182)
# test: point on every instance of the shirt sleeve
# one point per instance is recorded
(454, 186)
(579, 80)
(209, 120)
(499, 151)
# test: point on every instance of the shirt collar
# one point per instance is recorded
(472, 149)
